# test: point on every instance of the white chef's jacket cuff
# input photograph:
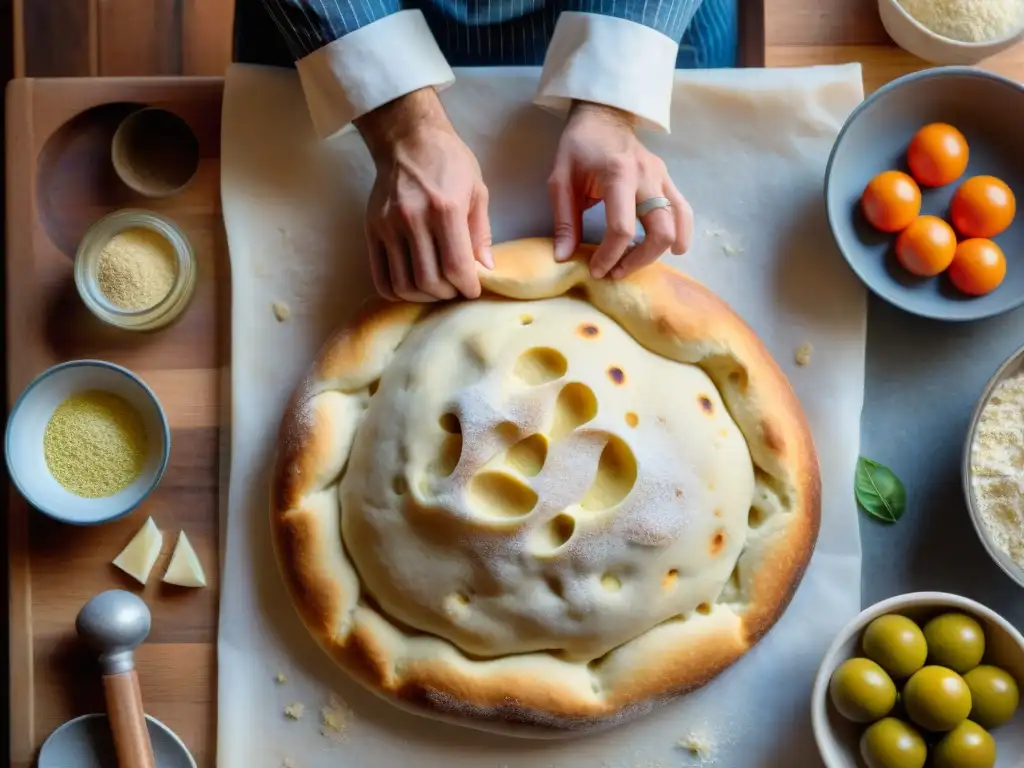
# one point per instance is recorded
(370, 67)
(611, 61)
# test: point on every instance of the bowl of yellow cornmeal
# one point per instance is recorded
(87, 442)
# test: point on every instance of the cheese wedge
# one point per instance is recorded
(184, 570)
(137, 559)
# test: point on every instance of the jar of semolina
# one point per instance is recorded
(136, 270)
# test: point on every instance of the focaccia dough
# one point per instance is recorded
(545, 510)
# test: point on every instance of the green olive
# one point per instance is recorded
(994, 695)
(955, 640)
(861, 690)
(891, 743)
(966, 746)
(897, 644)
(937, 698)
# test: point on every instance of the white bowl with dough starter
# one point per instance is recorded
(136, 270)
(993, 467)
(87, 442)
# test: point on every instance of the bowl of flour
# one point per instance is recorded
(961, 32)
(993, 467)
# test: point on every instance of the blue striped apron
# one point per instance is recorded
(474, 32)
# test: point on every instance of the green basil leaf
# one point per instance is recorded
(879, 491)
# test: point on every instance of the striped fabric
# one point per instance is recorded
(505, 32)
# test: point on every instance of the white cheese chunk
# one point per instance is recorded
(185, 570)
(138, 558)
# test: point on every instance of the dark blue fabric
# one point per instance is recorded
(481, 32)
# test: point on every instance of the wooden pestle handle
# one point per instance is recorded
(128, 721)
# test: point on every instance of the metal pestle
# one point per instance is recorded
(115, 623)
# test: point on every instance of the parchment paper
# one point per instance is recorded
(749, 151)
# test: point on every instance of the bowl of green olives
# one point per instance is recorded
(926, 679)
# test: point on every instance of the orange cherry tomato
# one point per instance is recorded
(927, 246)
(983, 206)
(937, 155)
(891, 201)
(978, 267)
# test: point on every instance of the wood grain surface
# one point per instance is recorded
(66, 38)
(91, 38)
(59, 170)
(59, 181)
(806, 32)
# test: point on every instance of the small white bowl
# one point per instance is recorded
(914, 37)
(27, 422)
(839, 740)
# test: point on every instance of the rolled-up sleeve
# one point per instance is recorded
(356, 55)
(621, 53)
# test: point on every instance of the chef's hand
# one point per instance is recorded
(426, 221)
(600, 158)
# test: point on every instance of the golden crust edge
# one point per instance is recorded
(319, 601)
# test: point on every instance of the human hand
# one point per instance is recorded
(426, 220)
(599, 158)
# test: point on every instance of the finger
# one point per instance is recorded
(659, 231)
(458, 263)
(620, 225)
(426, 272)
(379, 264)
(683, 214)
(398, 266)
(659, 234)
(568, 217)
(480, 227)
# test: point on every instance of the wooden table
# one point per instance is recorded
(67, 38)
(806, 32)
(131, 37)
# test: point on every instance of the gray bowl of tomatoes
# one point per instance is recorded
(920, 193)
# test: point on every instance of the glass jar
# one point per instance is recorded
(87, 260)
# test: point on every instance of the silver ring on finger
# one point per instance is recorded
(651, 204)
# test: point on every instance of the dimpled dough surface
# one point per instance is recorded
(549, 509)
(528, 478)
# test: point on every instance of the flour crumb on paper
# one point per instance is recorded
(280, 678)
(295, 710)
(803, 354)
(335, 717)
(697, 746)
(726, 241)
(289, 763)
(281, 311)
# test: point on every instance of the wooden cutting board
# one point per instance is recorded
(59, 181)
